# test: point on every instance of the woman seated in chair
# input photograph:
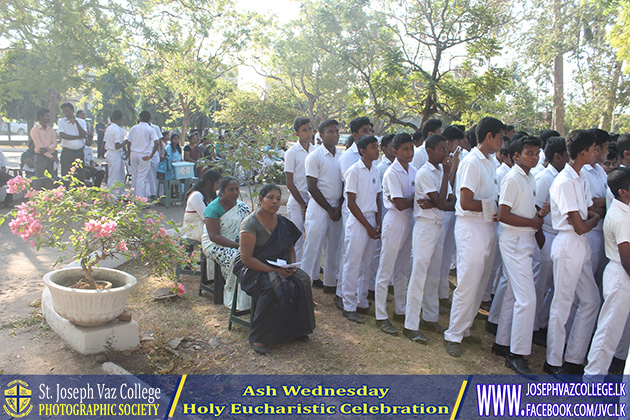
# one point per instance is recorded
(197, 199)
(284, 302)
(219, 241)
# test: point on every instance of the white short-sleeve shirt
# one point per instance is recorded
(544, 179)
(501, 172)
(420, 156)
(517, 191)
(428, 180)
(294, 163)
(324, 166)
(597, 179)
(114, 134)
(65, 126)
(398, 183)
(365, 183)
(349, 158)
(142, 137)
(477, 173)
(616, 229)
(569, 192)
(382, 166)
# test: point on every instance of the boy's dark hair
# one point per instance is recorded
(601, 136)
(430, 126)
(546, 134)
(461, 127)
(145, 116)
(517, 146)
(453, 133)
(614, 138)
(364, 141)
(471, 135)
(166, 135)
(518, 135)
(80, 111)
(417, 135)
(619, 179)
(400, 139)
(359, 122)
(387, 139)
(623, 144)
(116, 115)
(67, 105)
(299, 122)
(326, 123)
(30, 143)
(488, 125)
(509, 128)
(555, 144)
(612, 152)
(41, 112)
(577, 141)
(504, 150)
(433, 140)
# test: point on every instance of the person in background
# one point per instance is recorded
(100, 137)
(73, 134)
(197, 199)
(4, 177)
(45, 141)
(27, 160)
(94, 173)
(114, 140)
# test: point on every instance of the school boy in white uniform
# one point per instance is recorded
(395, 260)
(432, 183)
(557, 156)
(144, 145)
(521, 219)
(363, 192)
(570, 200)
(420, 156)
(294, 161)
(475, 237)
(322, 222)
(114, 140)
(616, 280)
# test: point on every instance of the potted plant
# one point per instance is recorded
(95, 224)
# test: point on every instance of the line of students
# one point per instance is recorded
(550, 237)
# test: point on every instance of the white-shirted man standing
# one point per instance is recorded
(144, 145)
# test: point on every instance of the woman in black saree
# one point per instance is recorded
(284, 302)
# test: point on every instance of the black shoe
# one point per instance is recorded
(453, 349)
(365, 311)
(400, 318)
(617, 366)
(472, 339)
(415, 336)
(499, 350)
(553, 370)
(264, 350)
(353, 316)
(431, 326)
(518, 364)
(330, 290)
(485, 305)
(370, 294)
(318, 284)
(573, 368)
(386, 326)
(339, 303)
(491, 328)
(540, 337)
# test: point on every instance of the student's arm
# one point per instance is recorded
(379, 211)
(156, 145)
(506, 216)
(214, 232)
(356, 212)
(187, 157)
(318, 196)
(294, 191)
(582, 226)
(598, 207)
(466, 197)
(403, 203)
(454, 165)
(248, 243)
(438, 198)
(450, 203)
(624, 254)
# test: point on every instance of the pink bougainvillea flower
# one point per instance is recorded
(180, 289)
(122, 246)
(17, 185)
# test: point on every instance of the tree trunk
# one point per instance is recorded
(558, 94)
(606, 122)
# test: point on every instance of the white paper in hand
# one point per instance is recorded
(283, 264)
(489, 209)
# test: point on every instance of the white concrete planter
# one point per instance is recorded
(89, 308)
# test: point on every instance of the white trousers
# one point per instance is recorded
(321, 232)
(294, 214)
(476, 248)
(448, 251)
(422, 291)
(498, 281)
(395, 262)
(345, 214)
(543, 280)
(358, 263)
(115, 171)
(572, 277)
(518, 311)
(598, 255)
(152, 177)
(139, 175)
(612, 319)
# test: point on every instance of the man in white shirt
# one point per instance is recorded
(152, 177)
(570, 200)
(144, 145)
(73, 134)
(114, 142)
(430, 127)
(294, 168)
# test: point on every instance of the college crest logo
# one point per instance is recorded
(17, 398)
